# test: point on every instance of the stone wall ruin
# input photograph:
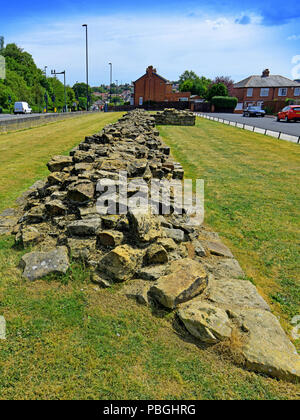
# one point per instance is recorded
(159, 259)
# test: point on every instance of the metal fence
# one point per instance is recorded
(276, 134)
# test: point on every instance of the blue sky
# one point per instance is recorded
(235, 38)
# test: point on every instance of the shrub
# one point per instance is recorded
(224, 102)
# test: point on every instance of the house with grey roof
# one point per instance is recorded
(256, 90)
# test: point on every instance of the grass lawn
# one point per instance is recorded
(252, 199)
(24, 154)
(67, 339)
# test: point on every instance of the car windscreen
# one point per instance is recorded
(296, 108)
(254, 108)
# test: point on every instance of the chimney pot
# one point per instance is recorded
(266, 73)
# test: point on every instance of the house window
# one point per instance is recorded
(282, 91)
(141, 100)
(264, 92)
(297, 91)
(250, 92)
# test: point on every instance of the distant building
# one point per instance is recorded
(153, 87)
(255, 90)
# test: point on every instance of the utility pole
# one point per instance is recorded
(87, 66)
(46, 101)
(110, 82)
(54, 72)
(45, 71)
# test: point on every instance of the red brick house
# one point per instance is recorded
(255, 90)
(153, 87)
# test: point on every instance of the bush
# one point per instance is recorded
(224, 102)
(290, 101)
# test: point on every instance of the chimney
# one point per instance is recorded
(266, 73)
(149, 70)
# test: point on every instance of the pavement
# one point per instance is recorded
(267, 123)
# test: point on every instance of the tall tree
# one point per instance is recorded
(218, 89)
(189, 81)
(26, 82)
(227, 81)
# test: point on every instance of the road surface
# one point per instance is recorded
(267, 123)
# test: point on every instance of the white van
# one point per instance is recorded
(22, 108)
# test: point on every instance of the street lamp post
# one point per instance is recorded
(110, 82)
(54, 72)
(87, 66)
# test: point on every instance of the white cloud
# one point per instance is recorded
(209, 46)
(293, 37)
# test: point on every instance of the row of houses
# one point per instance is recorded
(254, 90)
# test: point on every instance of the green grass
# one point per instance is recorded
(67, 339)
(24, 154)
(252, 199)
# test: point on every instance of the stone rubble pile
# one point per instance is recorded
(161, 259)
(172, 116)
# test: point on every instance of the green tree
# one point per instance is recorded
(80, 90)
(1, 43)
(219, 89)
(189, 81)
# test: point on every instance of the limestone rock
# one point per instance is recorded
(55, 208)
(235, 293)
(217, 248)
(175, 234)
(120, 264)
(268, 349)
(110, 238)
(152, 272)
(167, 243)
(86, 227)
(29, 236)
(199, 250)
(8, 220)
(225, 268)
(137, 289)
(57, 163)
(186, 280)
(102, 282)
(81, 248)
(156, 254)
(36, 215)
(57, 178)
(2, 328)
(145, 227)
(81, 192)
(89, 212)
(39, 264)
(204, 321)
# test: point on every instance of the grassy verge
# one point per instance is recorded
(252, 199)
(67, 339)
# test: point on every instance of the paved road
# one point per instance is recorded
(267, 123)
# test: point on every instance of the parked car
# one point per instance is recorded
(254, 111)
(289, 113)
(22, 108)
